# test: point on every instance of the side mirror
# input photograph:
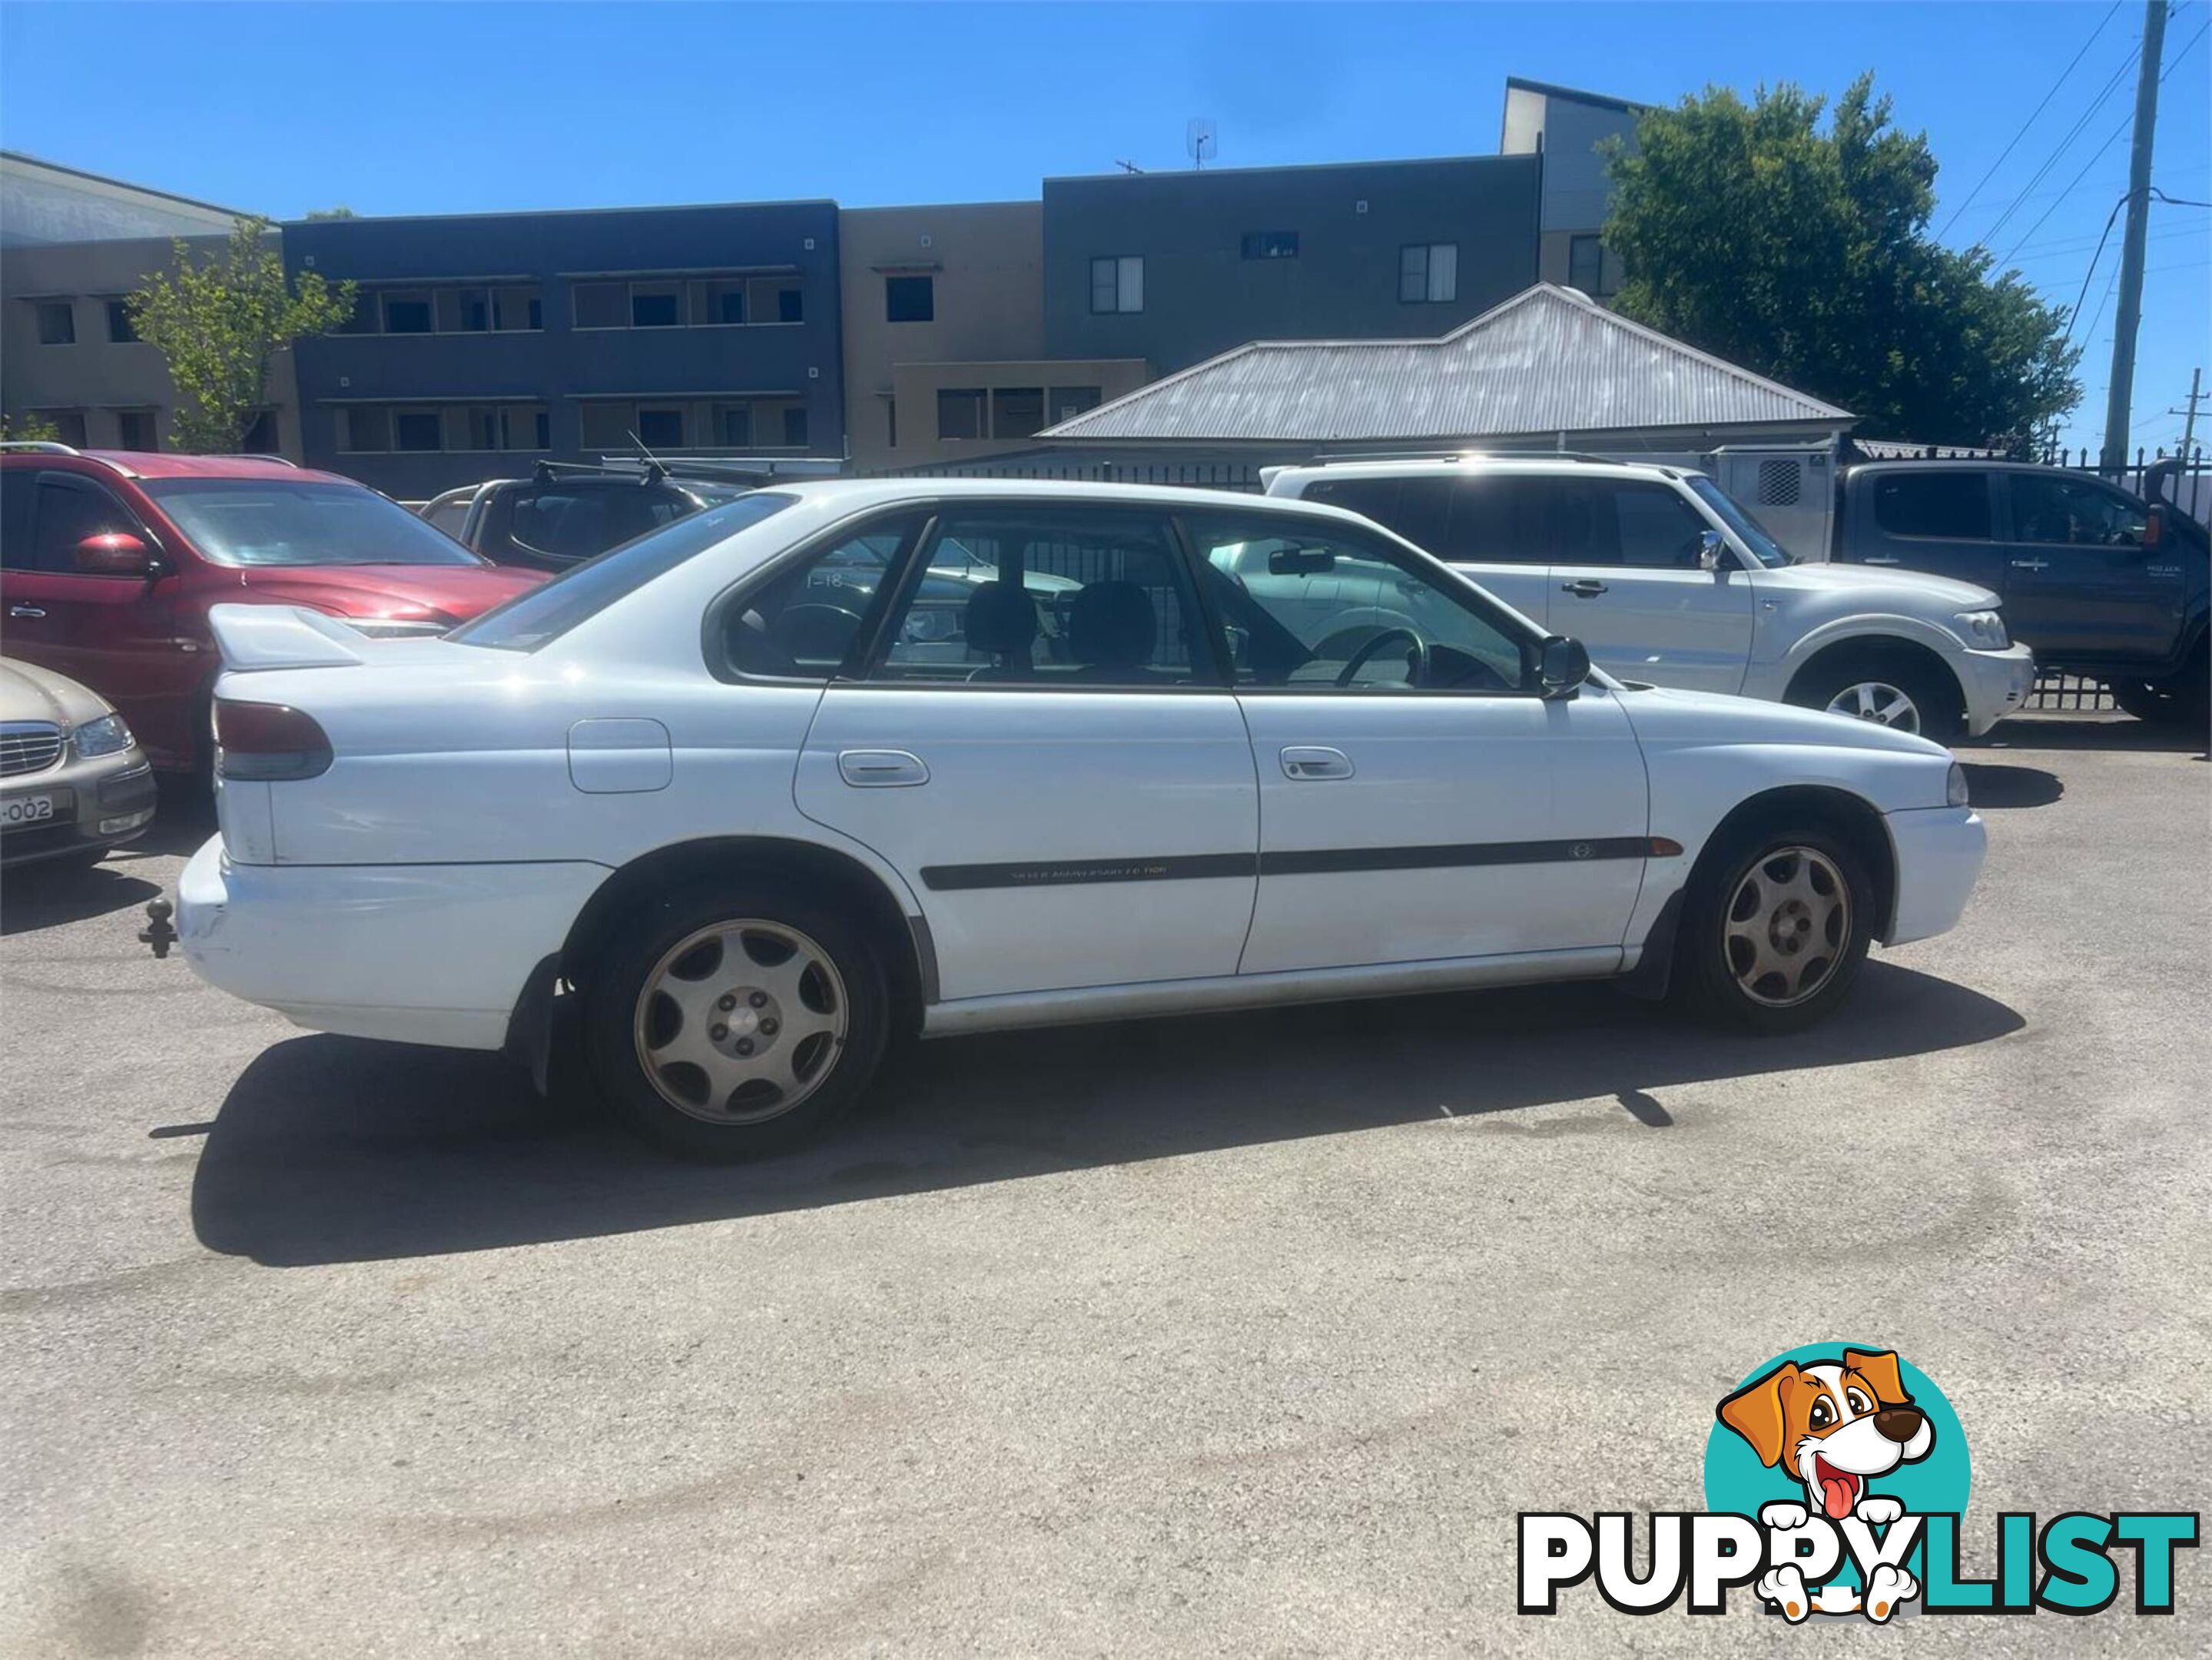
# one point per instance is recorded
(1712, 551)
(1562, 665)
(118, 553)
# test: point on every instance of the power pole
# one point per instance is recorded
(2189, 425)
(2117, 401)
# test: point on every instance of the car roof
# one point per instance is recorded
(148, 464)
(1431, 466)
(860, 493)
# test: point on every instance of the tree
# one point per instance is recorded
(27, 427)
(216, 322)
(341, 211)
(1805, 256)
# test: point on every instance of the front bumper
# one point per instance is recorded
(1996, 683)
(1939, 856)
(100, 803)
(413, 953)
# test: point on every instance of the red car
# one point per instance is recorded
(109, 560)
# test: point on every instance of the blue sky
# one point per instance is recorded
(427, 108)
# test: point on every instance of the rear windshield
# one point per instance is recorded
(539, 614)
(305, 522)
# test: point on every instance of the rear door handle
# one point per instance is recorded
(881, 768)
(1586, 588)
(2031, 564)
(1885, 560)
(25, 611)
(1315, 762)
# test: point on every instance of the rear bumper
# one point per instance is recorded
(413, 953)
(1996, 683)
(1939, 856)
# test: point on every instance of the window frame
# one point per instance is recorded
(40, 309)
(1262, 245)
(1428, 252)
(711, 629)
(2000, 523)
(1460, 589)
(130, 516)
(880, 638)
(1120, 262)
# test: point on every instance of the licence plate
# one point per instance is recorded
(27, 810)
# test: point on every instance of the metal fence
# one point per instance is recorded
(2057, 693)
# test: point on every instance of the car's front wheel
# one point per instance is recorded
(736, 1018)
(1887, 689)
(1775, 928)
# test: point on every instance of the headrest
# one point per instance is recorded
(1111, 625)
(1001, 620)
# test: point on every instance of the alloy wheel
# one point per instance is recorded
(1787, 926)
(740, 1021)
(1877, 701)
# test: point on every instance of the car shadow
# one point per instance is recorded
(332, 1150)
(47, 894)
(2090, 732)
(1991, 786)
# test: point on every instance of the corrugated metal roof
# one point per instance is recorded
(1546, 360)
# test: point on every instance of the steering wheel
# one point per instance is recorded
(1417, 656)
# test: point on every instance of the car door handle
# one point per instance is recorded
(1885, 560)
(881, 768)
(1586, 588)
(2031, 564)
(1310, 762)
(25, 611)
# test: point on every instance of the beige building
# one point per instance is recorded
(943, 324)
(1573, 131)
(72, 246)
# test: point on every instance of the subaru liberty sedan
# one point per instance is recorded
(749, 824)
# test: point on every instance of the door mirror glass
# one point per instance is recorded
(2154, 530)
(115, 553)
(1562, 665)
(1300, 561)
(1712, 551)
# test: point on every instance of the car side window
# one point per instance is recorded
(804, 621)
(1069, 596)
(1500, 521)
(1952, 505)
(2056, 508)
(1626, 522)
(568, 524)
(18, 486)
(68, 509)
(1313, 606)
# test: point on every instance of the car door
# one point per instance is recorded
(1627, 581)
(1069, 793)
(114, 633)
(1459, 817)
(2078, 585)
(1939, 520)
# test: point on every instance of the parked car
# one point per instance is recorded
(2097, 581)
(751, 854)
(1666, 581)
(73, 780)
(109, 560)
(562, 515)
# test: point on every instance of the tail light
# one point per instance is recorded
(259, 741)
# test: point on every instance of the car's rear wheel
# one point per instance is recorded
(1775, 928)
(731, 1019)
(1887, 690)
(2181, 699)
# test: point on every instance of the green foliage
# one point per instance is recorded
(341, 211)
(1805, 256)
(28, 427)
(216, 322)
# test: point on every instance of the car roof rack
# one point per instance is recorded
(650, 472)
(1347, 456)
(249, 455)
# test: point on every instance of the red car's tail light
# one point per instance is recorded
(258, 741)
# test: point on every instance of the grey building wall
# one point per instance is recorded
(1570, 130)
(560, 366)
(95, 381)
(1202, 295)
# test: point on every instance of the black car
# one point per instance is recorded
(560, 515)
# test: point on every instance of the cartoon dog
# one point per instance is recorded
(1834, 1427)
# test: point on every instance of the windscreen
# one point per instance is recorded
(304, 521)
(1763, 548)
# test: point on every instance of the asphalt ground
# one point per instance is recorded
(1244, 1332)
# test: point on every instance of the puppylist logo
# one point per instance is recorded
(1836, 1478)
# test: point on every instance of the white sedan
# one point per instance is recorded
(751, 795)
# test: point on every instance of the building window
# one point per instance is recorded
(733, 426)
(655, 306)
(719, 302)
(120, 329)
(909, 300)
(374, 427)
(417, 429)
(960, 413)
(1585, 264)
(794, 426)
(1428, 273)
(790, 304)
(68, 425)
(890, 423)
(660, 427)
(1271, 244)
(1065, 403)
(364, 428)
(1016, 411)
(408, 311)
(1117, 284)
(56, 322)
(601, 305)
(134, 430)
(518, 308)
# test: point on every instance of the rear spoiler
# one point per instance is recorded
(255, 637)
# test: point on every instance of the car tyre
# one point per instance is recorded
(1776, 923)
(2186, 699)
(733, 1020)
(1865, 687)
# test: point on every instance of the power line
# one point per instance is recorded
(2030, 122)
(2081, 121)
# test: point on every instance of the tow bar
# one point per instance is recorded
(157, 933)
